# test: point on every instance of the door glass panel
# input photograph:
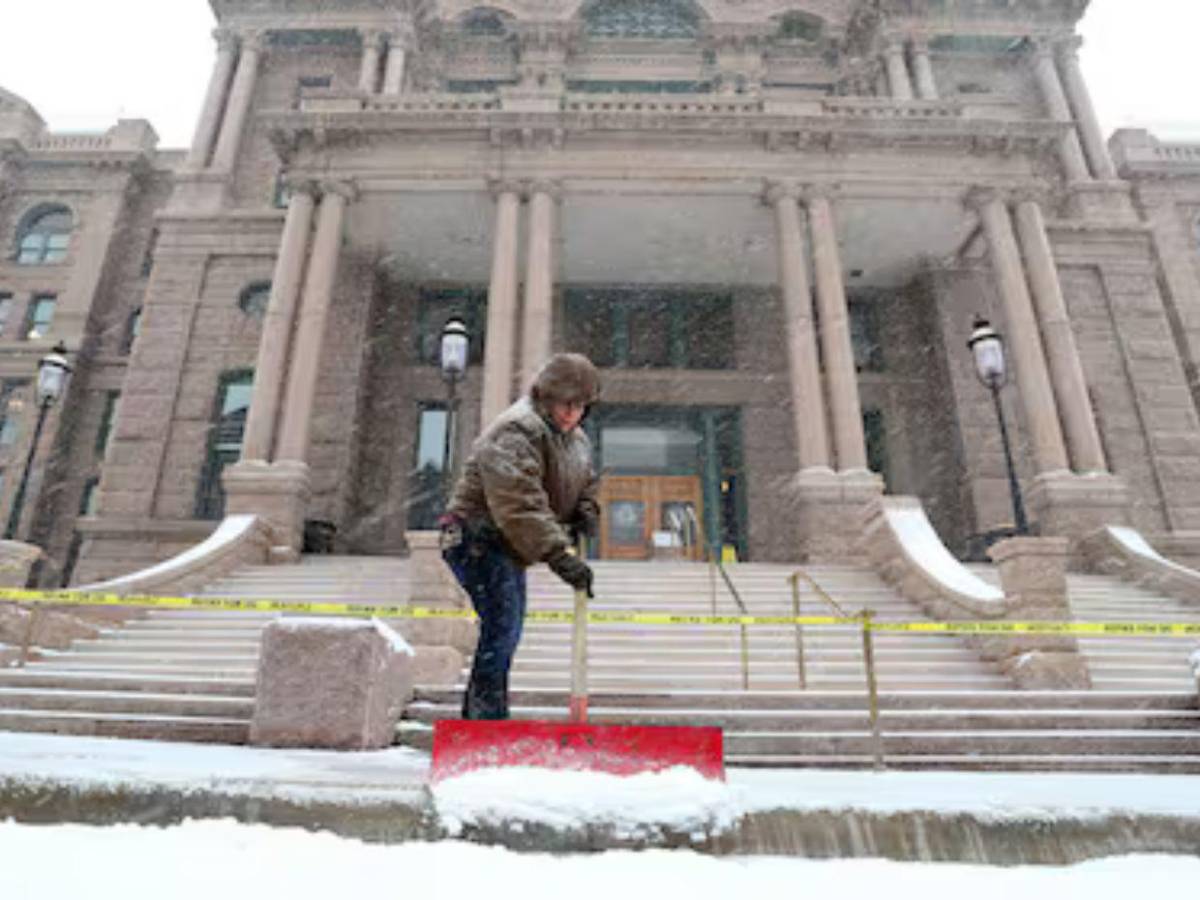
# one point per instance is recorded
(626, 522)
(649, 449)
(679, 517)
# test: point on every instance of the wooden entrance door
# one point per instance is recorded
(634, 507)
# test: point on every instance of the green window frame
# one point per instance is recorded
(10, 419)
(41, 316)
(112, 400)
(45, 236)
(427, 478)
(225, 435)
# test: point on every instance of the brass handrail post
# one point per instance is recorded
(872, 688)
(794, 578)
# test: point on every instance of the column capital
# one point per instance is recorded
(977, 198)
(497, 185)
(894, 43)
(1031, 194)
(1067, 48)
(550, 186)
(403, 34)
(254, 39)
(820, 191)
(776, 190)
(919, 43)
(374, 37)
(1040, 47)
(344, 188)
(227, 39)
(300, 184)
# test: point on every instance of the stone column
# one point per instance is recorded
(368, 76)
(214, 99)
(277, 325)
(1085, 114)
(310, 332)
(836, 345)
(502, 304)
(1070, 154)
(536, 337)
(923, 69)
(1066, 371)
(897, 70)
(808, 407)
(238, 107)
(397, 58)
(1024, 341)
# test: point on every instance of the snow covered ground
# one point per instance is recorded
(221, 859)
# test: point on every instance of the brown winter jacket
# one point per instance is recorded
(528, 479)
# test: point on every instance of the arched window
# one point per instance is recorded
(44, 236)
(642, 19)
(485, 22)
(224, 439)
(254, 298)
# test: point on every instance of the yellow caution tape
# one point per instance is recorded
(600, 617)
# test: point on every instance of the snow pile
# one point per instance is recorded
(677, 799)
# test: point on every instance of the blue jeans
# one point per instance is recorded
(496, 586)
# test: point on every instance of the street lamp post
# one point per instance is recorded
(987, 346)
(52, 379)
(455, 347)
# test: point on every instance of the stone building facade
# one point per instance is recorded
(771, 222)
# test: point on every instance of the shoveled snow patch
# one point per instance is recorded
(1194, 659)
(677, 799)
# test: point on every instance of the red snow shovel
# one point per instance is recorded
(461, 745)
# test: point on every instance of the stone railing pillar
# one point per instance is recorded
(808, 407)
(537, 334)
(838, 351)
(1025, 343)
(502, 304)
(897, 70)
(1066, 370)
(277, 325)
(214, 99)
(238, 107)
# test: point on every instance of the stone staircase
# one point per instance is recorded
(187, 675)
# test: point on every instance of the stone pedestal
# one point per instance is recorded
(830, 508)
(1033, 576)
(337, 684)
(1073, 506)
(279, 492)
(17, 560)
(432, 584)
(1110, 201)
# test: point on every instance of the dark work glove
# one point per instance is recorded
(573, 570)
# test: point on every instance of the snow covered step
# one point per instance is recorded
(139, 702)
(196, 729)
(45, 679)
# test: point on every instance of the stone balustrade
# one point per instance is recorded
(1122, 551)
(1135, 150)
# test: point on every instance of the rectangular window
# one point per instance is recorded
(426, 483)
(436, 307)
(6, 305)
(148, 256)
(864, 335)
(10, 410)
(107, 418)
(133, 327)
(224, 440)
(87, 500)
(41, 316)
(876, 440)
(650, 328)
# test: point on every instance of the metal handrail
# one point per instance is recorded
(865, 617)
(716, 566)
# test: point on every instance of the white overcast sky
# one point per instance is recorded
(85, 63)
